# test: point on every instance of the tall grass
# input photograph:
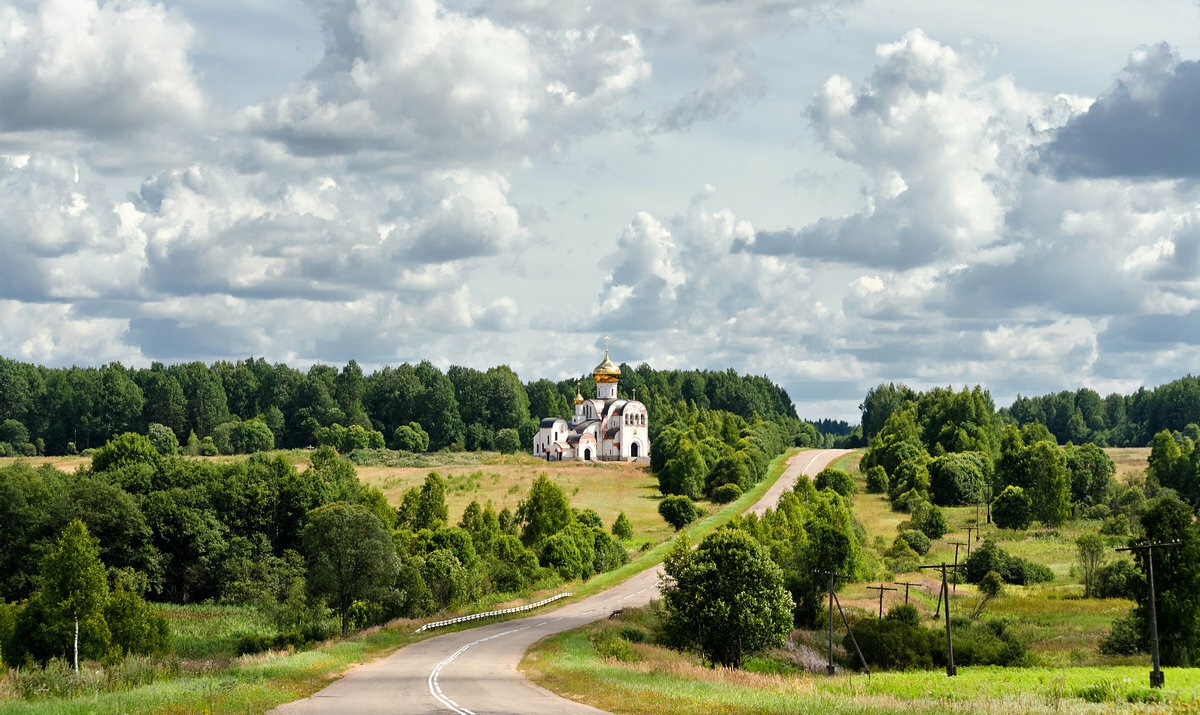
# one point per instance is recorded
(666, 683)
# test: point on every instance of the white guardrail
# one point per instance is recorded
(489, 614)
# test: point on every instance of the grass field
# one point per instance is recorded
(669, 683)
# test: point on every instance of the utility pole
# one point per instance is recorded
(969, 530)
(951, 671)
(956, 545)
(881, 588)
(906, 584)
(833, 599)
(1156, 674)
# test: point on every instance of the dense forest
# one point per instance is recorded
(251, 405)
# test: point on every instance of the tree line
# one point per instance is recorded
(296, 544)
(250, 405)
(1078, 417)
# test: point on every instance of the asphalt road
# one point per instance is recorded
(474, 672)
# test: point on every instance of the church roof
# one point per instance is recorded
(606, 371)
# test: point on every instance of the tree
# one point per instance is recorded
(726, 599)
(990, 586)
(678, 510)
(1051, 488)
(837, 480)
(350, 556)
(621, 528)
(544, 512)
(508, 441)
(1012, 509)
(410, 438)
(1090, 548)
(74, 582)
(163, 438)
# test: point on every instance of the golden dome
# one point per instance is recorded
(606, 371)
(578, 397)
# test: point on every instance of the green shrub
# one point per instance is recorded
(609, 644)
(1120, 579)
(250, 643)
(1012, 569)
(1012, 509)
(877, 480)
(1128, 636)
(835, 479)
(678, 510)
(726, 493)
(917, 540)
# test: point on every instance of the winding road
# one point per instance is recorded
(474, 672)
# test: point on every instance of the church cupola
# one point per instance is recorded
(607, 375)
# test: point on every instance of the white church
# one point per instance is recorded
(604, 429)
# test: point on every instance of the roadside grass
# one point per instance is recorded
(664, 682)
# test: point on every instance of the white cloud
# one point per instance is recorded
(99, 68)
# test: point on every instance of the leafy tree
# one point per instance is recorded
(410, 438)
(162, 438)
(990, 586)
(1090, 550)
(128, 448)
(137, 629)
(1176, 580)
(350, 556)
(678, 511)
(959, 478)
(877, 480)
(425, 508)
(1091, 473)
(837, 480)
(1012, 509)
(74, 582)
(622, 528)
(508, 441)
(726, 599)
(561, 553)
(544, 512)
(685, 472)
(879, 405)
(1051, 489)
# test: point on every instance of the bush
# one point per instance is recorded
(929, 519)
(894, 643)
(835, 479)
(622, 528)
(1012, 569)
(1117, 525)
(877, 480)
(1012, 509)
(1120, 579)
(1126, 638)
(609, 644)
(678, 510)
(726, 493)
(917, 540)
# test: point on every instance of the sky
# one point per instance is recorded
(831, 193)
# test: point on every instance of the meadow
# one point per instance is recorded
(1066, 671)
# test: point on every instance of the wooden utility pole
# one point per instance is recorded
(1156, 674)
(969, 530)
(833, 599)
(906, 584)
(956, 545)
(881, 588)
(950, 669)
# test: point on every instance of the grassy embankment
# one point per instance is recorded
(1067, 675)
(206, 676)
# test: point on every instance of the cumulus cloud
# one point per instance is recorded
(98, 68)
(941, 144)
(421, 83)
(62, 238)
(1144, 126)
